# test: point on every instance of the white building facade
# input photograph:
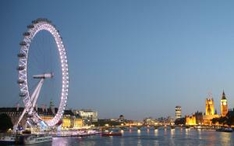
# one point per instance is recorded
(88, 115)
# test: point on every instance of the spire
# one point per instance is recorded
(223, 96)
(51, 103)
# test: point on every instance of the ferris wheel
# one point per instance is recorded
(30, 97)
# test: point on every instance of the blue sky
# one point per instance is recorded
(136, 58)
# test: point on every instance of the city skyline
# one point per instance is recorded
(131, 58)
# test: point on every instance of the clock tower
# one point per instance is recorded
(223, 105)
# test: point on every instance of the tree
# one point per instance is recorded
(5, 122)
(215, 120)
(180, 121)
(223, 120)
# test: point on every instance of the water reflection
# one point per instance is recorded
(122, 142)
(148, 130)
(60, 141)
(156, 132)
(172, 132)
(139, 131)
(226, 138)
(130, 130)
(212, 139)
(187, 131)
(199, 133)
(150, 136)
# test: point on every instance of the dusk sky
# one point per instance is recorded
(138, 58)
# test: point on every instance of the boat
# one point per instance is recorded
(112, 133)
(10, 139)
(225, 129)
(75, 133)
(7, 139)
(37, 138)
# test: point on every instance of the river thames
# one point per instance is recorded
(151, 137)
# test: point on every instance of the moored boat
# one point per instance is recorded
(225, 129)
(75, 133)
(10, 139)
(7, 140)
(112, 133)
(37, 138)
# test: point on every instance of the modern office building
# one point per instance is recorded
(178, 112)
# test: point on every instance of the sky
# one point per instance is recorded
(131, 57)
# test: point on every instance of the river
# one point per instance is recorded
(151, 137)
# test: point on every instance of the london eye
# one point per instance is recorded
(33, 71)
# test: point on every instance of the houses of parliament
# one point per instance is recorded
(200, 118)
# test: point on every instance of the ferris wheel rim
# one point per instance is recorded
(34, 28)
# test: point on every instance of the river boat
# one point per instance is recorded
(7, 139)
(37, 138)
(225, 129)
(75, 133)
(10, 139)
(112, 133)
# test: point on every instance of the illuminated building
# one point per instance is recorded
(78, 123)
(210, 108)
(88, 115)
(178, 112)
(210, 112)
(195, 119)
(149, 121)
(199, 119)
(223, 105)
(190, 120)
(69, 119)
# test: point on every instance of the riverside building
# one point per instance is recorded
(69, 119)
(87, 115)
(210, 112)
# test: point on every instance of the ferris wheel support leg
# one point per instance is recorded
(21, 117)
(35, 95)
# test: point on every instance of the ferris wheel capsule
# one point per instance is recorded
(26, 34)
(20, 81)
(20, 68)
(21, 55)
(23, 43)
(30, 26)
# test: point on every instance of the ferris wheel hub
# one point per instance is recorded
(43, 76)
